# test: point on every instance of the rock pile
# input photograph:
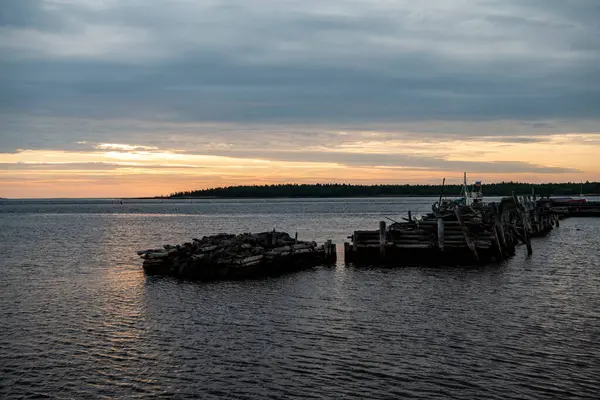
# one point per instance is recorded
(235, 256)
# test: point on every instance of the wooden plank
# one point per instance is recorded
(412, 246)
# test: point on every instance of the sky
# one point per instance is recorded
(124, 98)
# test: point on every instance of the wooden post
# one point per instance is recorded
(382, 239)
(347, 253)
(498, 232)
(295, 242)
(526, 233)
(409, 216)
(498, 243)
(273, 238)
(441, 193)
(517, 234)
(440, 233)
(466, 234)
(525, 222)
(499, 226)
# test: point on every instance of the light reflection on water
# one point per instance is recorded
(82, 320)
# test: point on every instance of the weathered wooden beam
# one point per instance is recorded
(328, 249)
(526, 233)
(410, 240)
(382, 239)
(498, 226)
(466, 234)
(295, 242)
(347, 251)
(412, 246)
(524, 220)
(440, 230)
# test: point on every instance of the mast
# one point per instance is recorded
(467, 194)
(463, 192)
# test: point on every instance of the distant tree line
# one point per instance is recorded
(346, 190)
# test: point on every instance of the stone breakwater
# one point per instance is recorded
(228, 256)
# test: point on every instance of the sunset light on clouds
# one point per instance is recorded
(129, 98)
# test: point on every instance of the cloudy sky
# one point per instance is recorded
(103, 98)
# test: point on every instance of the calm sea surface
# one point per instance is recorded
(78, 318)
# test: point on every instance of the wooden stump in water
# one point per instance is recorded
(382, 239)
(440, 233)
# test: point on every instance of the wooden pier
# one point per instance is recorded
(567, 209)
(228, 256)
(455, 234)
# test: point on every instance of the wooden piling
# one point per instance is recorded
(347, 251)
(440, 233)
(465, 232)
(499, 245)
(295, 242)
(498, 226)
(525, 222)
(382, 239)
(526, 235)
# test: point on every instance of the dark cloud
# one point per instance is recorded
(81, 134)
(397, 160)
(27, 14)
(509, 139)
(85, 166)
(408, 162)
(310, 62)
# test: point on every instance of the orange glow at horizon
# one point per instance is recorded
(133, 170)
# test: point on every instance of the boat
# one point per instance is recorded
(472, 195)
(469, 196)
(568, 201)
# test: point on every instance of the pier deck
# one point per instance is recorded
(455, 234)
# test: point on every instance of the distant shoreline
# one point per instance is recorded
(118, 199)
(279, 197)
(332, 197)
(335, 190)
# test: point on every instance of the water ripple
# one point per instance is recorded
(80, 320)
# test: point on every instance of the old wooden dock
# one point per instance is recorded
(229, 256)
(455, 234)
(567, 209)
